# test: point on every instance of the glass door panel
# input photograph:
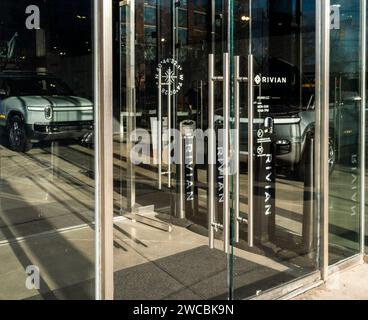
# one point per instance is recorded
(275, 224)
(345, 111)
(214, 147)
(165, 247)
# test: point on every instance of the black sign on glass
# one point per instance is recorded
(264, 182)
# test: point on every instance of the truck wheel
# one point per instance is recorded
(17, 137)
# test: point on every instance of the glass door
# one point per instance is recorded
(345, 128)
(275, 235)
(167, 245)
(214, 121)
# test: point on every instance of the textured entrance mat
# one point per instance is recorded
(199, 273)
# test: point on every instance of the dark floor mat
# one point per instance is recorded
(200, 273)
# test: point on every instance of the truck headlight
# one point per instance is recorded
(48, 112)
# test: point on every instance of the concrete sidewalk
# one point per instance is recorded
(351, 284)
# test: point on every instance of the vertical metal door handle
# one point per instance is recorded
(226, 124)
(169, 135)
(236, 148)
(159, 130)
(211, 151)
(250, 150)
(201, 102)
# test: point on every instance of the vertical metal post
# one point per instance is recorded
(104, 283)
(159, 129)
(236, 148)
(201, 102)
(363, 45)
(169, 134)
(211, 151)
(324, 12)
(130, 101)
(250, 132)
(181, 175)
(226, 130)
(250, 150)
(317, 140)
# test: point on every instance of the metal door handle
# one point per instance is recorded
(168, 131)
(238, 219)
(236, 149)
(212, 224)
(169, 135)
(159, 129)
(250, 150)
(226, 131)
(211, 151)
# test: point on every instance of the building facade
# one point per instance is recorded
(192, 149)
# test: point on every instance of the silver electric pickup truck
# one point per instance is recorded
(291, 106)
(37, 107)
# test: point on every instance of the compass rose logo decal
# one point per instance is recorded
(172, 76)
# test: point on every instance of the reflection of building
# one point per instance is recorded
(155, 43)
(57, 41)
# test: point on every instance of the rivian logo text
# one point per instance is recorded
(258, 79)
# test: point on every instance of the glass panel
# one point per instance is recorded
(366, 163)
(345, 104)
(46, 152)
(161, 206)
(285, 230)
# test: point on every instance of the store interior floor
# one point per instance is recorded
(47, 201)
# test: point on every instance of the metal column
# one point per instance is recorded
(323, 61)
(104, 283)
(363, 44)
(130, 101)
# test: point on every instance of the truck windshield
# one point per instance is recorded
(37, 87)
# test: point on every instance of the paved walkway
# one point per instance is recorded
(351, 284)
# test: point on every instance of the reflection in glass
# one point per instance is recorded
(283, 85)
(366, 178)
(163, 242)
(345, 104)
(46, 152)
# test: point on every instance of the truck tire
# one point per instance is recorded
(17, 138)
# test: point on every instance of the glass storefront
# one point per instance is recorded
(47, 152)
(225, 78)
(365, 146)
(214, 187)
(345, 112)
